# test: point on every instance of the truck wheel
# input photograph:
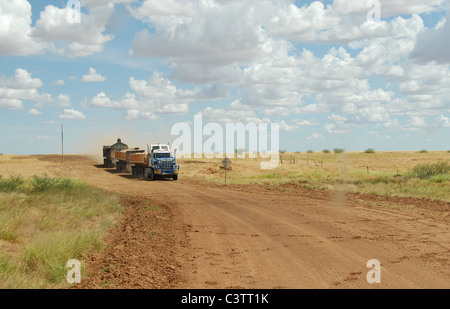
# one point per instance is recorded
(146, 176)
(175, 177)
(149, 175)
(152, 175)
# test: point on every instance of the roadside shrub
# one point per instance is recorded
(439, 178)
(41, 184)
(325, 151)
(338, 150)
(423, 151)
(11, 184)
(45, 183)
(239, 151)
(423, 171)
(369, 150)
(309, 151)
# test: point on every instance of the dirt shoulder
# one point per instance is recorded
(143, 252)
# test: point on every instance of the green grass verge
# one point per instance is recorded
(46, 221)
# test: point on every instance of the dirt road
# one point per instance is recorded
(188, 234)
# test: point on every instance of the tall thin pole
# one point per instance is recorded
(62, 143)
(226, 167)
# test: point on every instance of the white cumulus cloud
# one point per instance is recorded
(93, 76)
(72, 114)
(16, 32)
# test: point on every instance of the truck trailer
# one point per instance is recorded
(124, 163)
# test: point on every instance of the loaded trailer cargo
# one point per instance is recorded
(124, 163)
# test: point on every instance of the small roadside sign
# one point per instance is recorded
(226, 162)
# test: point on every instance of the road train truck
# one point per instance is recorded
(155, 163)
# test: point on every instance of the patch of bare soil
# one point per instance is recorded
(140, 253)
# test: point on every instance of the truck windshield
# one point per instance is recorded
(162, 155)
(162, 147)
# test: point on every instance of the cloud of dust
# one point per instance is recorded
(340, 202)
(93, 143)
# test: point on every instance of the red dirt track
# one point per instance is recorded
(190, 234)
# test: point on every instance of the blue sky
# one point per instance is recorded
(327, 74)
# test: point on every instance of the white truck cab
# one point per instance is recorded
(159, 148)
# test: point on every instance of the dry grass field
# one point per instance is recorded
(383, 173)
